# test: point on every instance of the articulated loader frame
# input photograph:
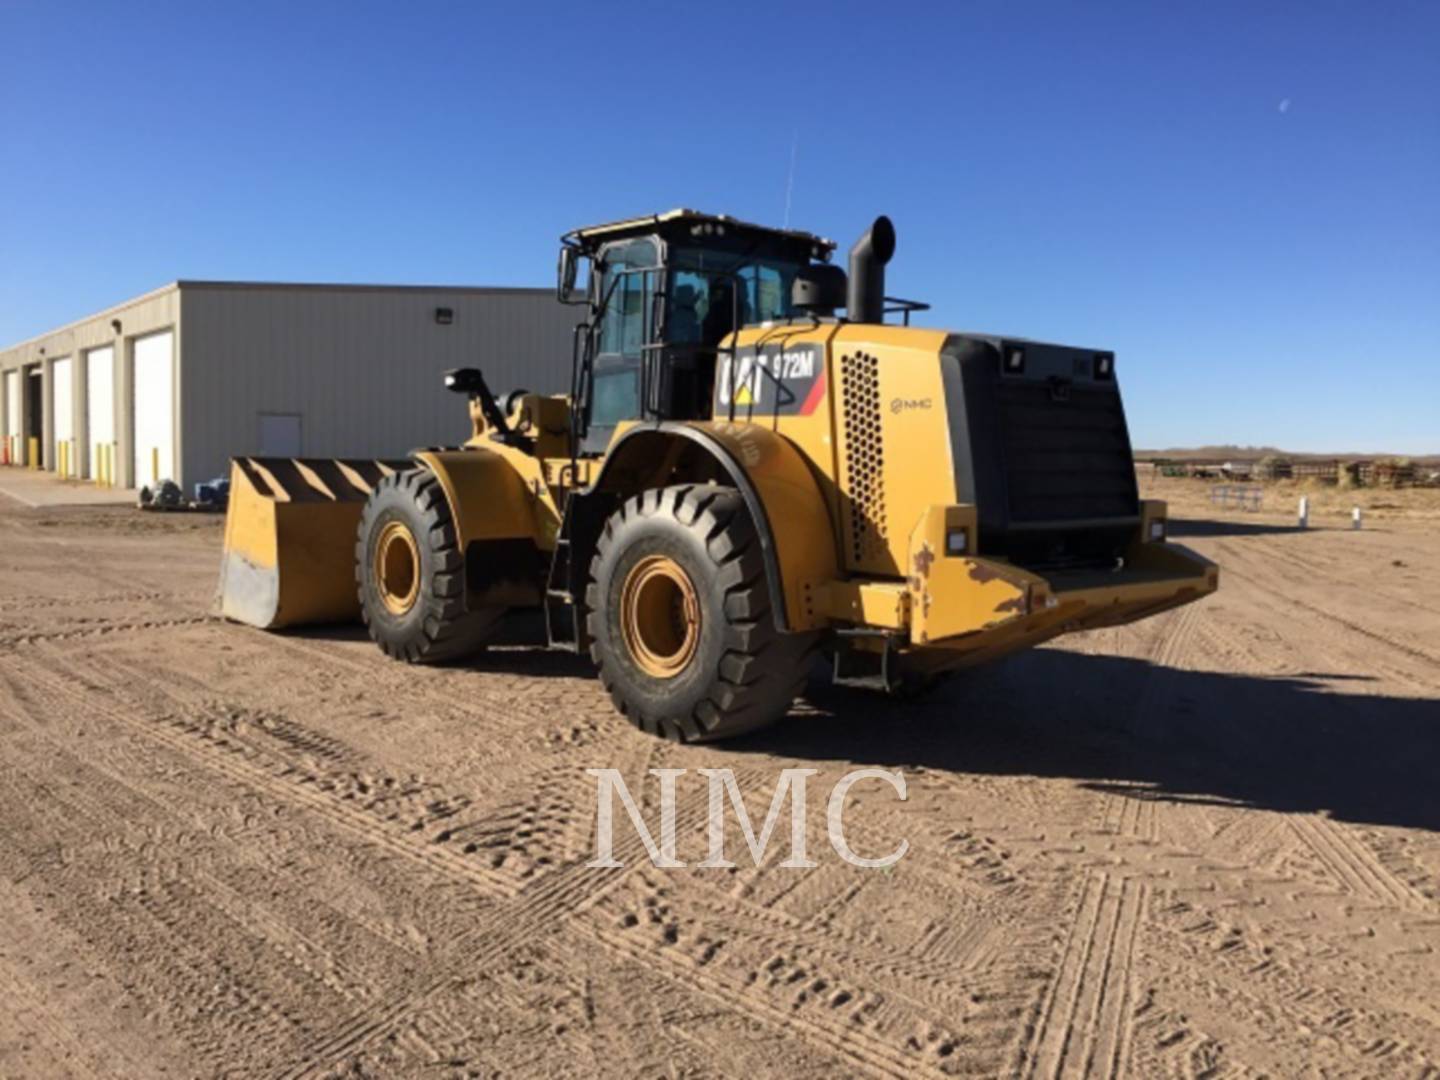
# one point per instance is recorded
(910, 500)
(291, 535)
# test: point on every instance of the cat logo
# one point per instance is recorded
(782, 382)
(741, 381)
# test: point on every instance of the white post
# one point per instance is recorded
(1355, 517)
(1304, 511)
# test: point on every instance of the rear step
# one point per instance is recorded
(562, 622)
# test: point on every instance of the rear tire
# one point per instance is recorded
(410, 573)
(680, 620)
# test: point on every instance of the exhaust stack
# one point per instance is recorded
(865, 299)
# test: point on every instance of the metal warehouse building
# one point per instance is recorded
(172, 384)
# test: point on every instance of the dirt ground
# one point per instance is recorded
(1207, 844)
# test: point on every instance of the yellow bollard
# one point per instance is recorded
(60, 449)
(34, 451)
(154, 465)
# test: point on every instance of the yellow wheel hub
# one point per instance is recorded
(660, 616)
(397, 567)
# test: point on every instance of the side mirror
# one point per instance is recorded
(566, 273)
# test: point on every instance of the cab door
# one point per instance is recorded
(628, 281)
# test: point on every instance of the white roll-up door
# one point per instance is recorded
(154, 408)
(13, 425)
(99, 409)
(62, 397)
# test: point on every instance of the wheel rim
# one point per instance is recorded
(397, 567)
(660, 616)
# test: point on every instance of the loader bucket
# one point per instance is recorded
(290, 539)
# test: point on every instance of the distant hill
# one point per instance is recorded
(1255, 453)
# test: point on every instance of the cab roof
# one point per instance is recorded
(677, 219)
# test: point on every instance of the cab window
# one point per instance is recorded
(628, 281)
(713, 292)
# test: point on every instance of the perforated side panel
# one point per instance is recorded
(864, 458)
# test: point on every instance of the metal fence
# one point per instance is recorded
(1237, 496)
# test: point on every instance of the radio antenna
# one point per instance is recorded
(790, 180)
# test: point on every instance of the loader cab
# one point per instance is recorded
(664, 293)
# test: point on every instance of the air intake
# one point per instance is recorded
(860, 417)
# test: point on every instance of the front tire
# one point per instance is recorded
(680, 620)
(410, 573)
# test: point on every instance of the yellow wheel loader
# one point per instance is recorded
(739, 477)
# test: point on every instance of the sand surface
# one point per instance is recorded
(1207, 844)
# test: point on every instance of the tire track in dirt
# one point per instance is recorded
(27, 604)
(705, 923)
(536, 911)
(843, 1034)
(1254, 578)
(159, 922)
(123, 770)
(533, 912)
(1221, 892)
(111, 804)
(25, 638)
(516, 837)
(541, 910)
(28, 1018)
(1166, 657)
(437, 685)
(1231, 976)
(277, 778)
(1354, 865)
(1321, 569)
(1083, 1024)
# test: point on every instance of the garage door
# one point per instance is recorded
(14, 410)
(62, 397)
(100, 410)
(154, 408)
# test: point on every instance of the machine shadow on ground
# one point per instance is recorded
(1298, 744)
(519, 650)
(1180, 527)
(1290, 744)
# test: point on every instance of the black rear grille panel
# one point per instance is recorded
(1043, 453)
(1065, 453)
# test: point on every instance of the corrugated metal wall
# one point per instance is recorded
(157, 310)
(361, 365)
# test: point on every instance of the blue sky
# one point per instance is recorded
(1242, 200)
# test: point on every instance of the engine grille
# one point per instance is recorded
(864, 458)
(1066, 453)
